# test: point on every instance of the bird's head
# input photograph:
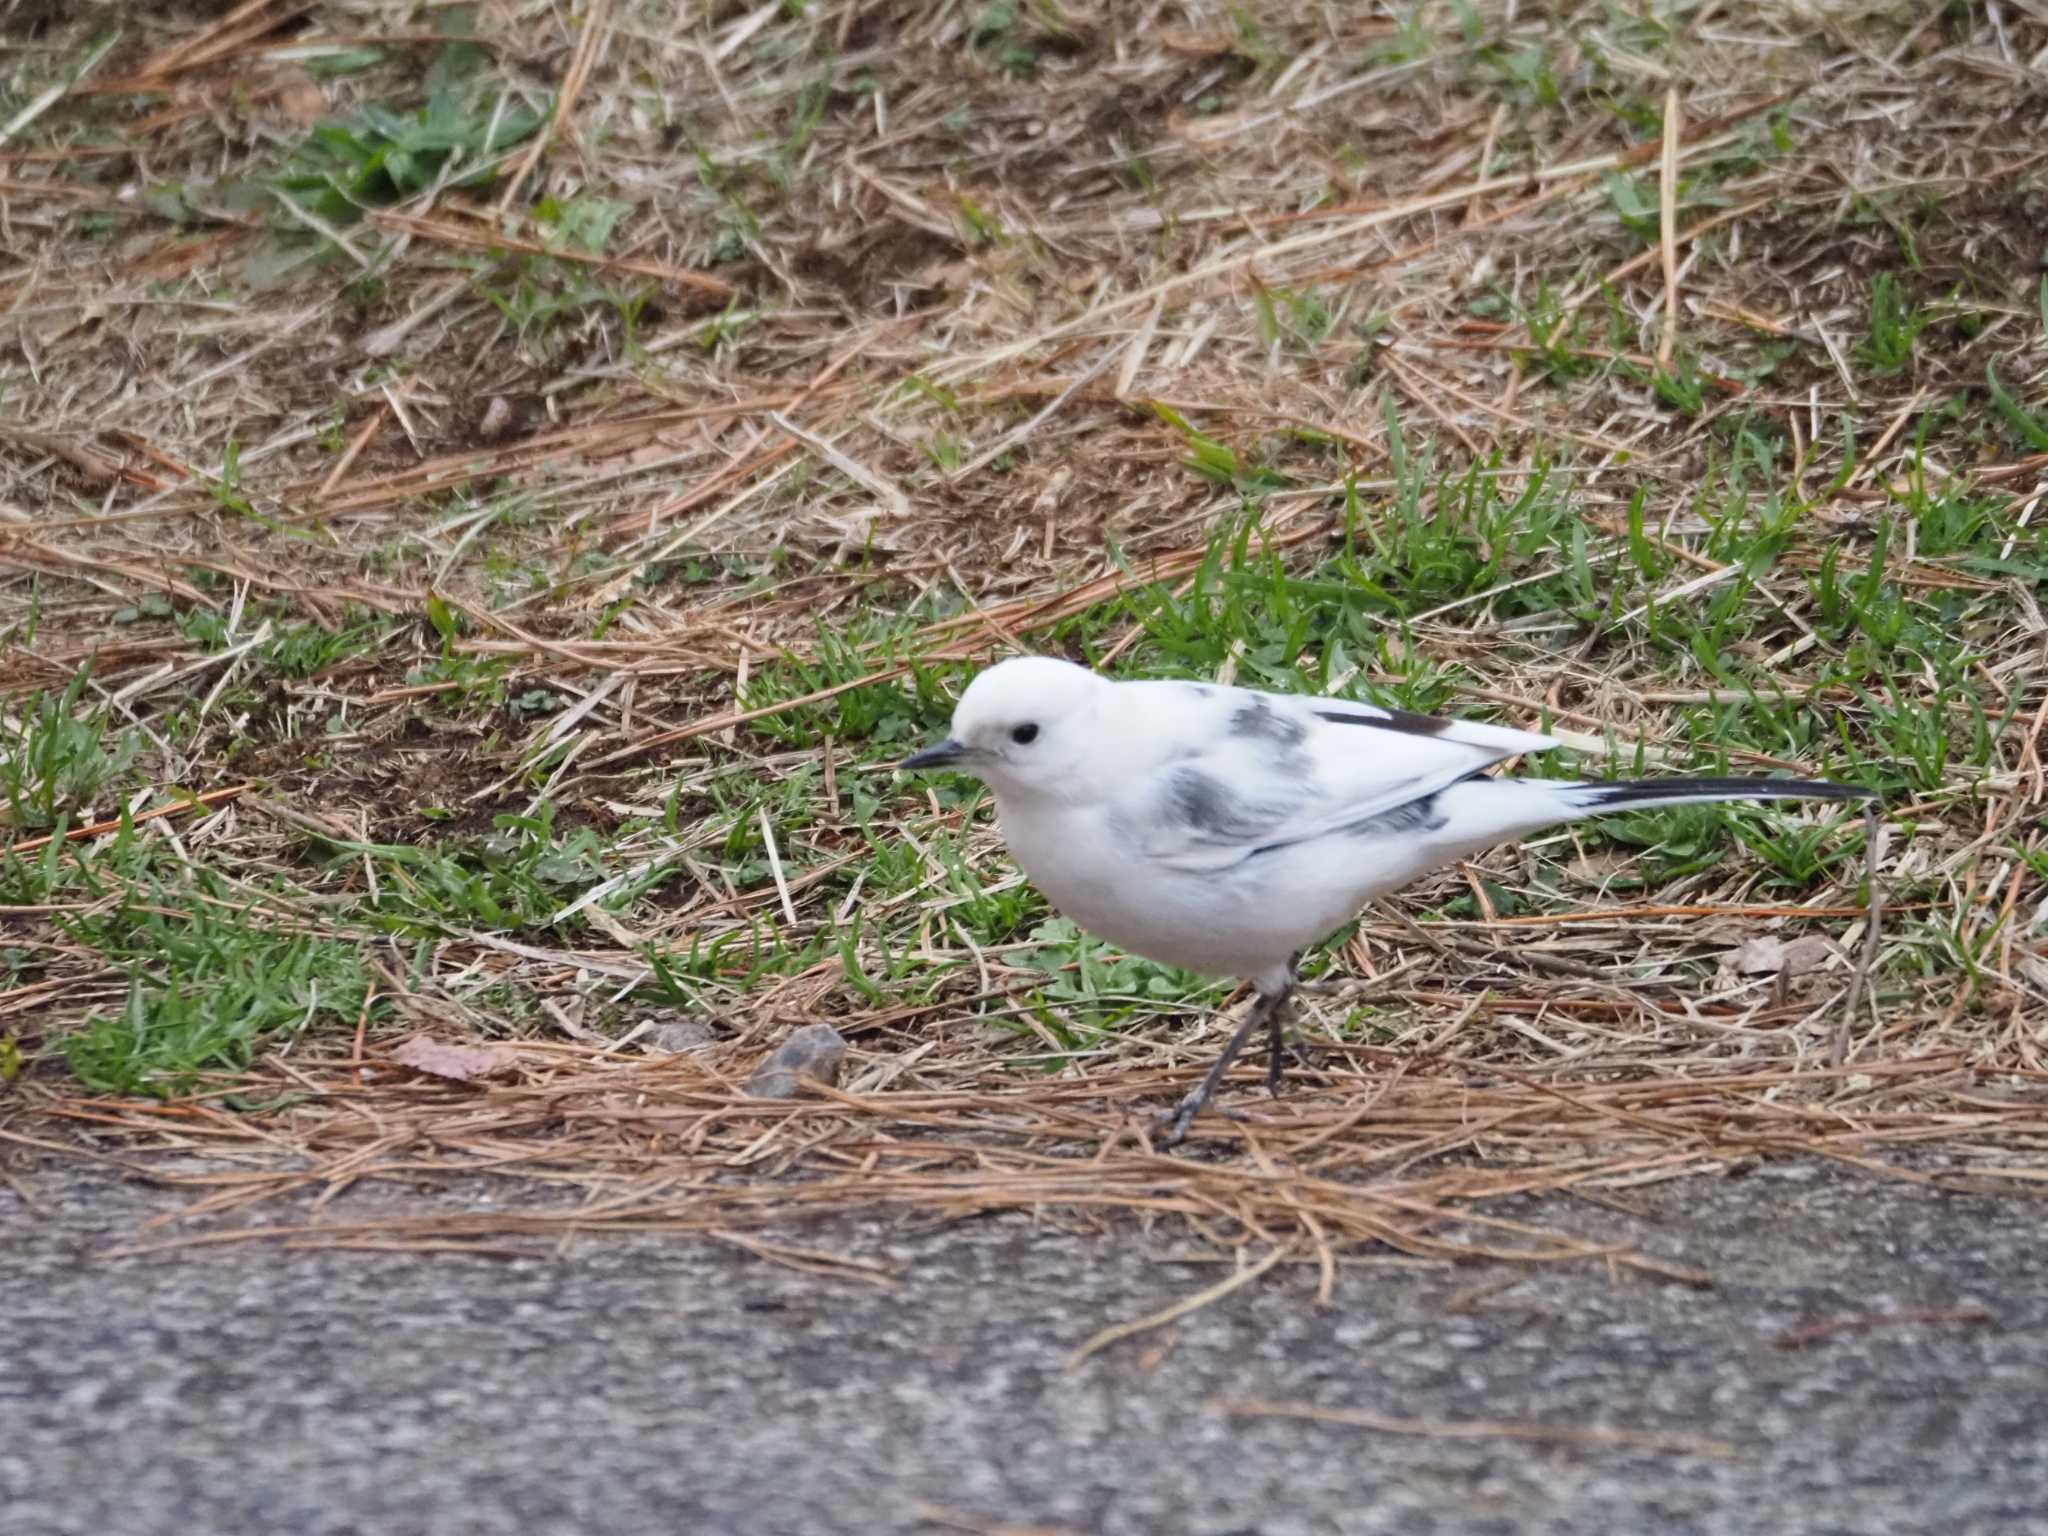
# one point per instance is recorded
(1027, 726)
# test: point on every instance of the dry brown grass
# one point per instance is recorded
(912, 282)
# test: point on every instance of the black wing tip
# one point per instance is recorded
(1650, 791)
(1405, 721)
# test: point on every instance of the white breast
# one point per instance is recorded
(1240, 924)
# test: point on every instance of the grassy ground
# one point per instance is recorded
(486, 491)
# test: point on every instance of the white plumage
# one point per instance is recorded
(1224, 830)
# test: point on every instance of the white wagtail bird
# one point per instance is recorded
(1225, 830)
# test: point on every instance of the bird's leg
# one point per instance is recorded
(1276, 1033)
(1266, 1009)
(1276, 1039)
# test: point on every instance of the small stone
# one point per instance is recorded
(678, 1035)
(301, 97)
(498, 419)
(813, 1052)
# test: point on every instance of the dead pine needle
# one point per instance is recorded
(1874, 839)
(775, 868)
(1667, 221)
(1180, 1309)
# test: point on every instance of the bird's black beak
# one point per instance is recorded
(947, 751)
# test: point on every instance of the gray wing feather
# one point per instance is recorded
(1250, 772)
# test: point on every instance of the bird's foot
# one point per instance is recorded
(1172, 1128)
(1265, 1010)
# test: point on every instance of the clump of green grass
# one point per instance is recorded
(2028, 428)
(206, 990)
(540, 296)
(515, 880)
(54, 760)
(1080, 970)
(1557, 331)
(1015, 39)
(1292, 318)
(1895, 327)
(382, 156)
(881, 713)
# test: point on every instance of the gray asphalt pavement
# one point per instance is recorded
(679, 1387)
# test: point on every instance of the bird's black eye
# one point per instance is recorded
(1024, 734)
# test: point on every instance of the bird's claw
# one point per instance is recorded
(1172, 1127)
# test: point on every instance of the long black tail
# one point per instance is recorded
(1596, 797)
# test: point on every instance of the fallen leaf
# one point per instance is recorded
(1768, 956)
(1809, 953)
(1758, 957)
(456, 1063)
